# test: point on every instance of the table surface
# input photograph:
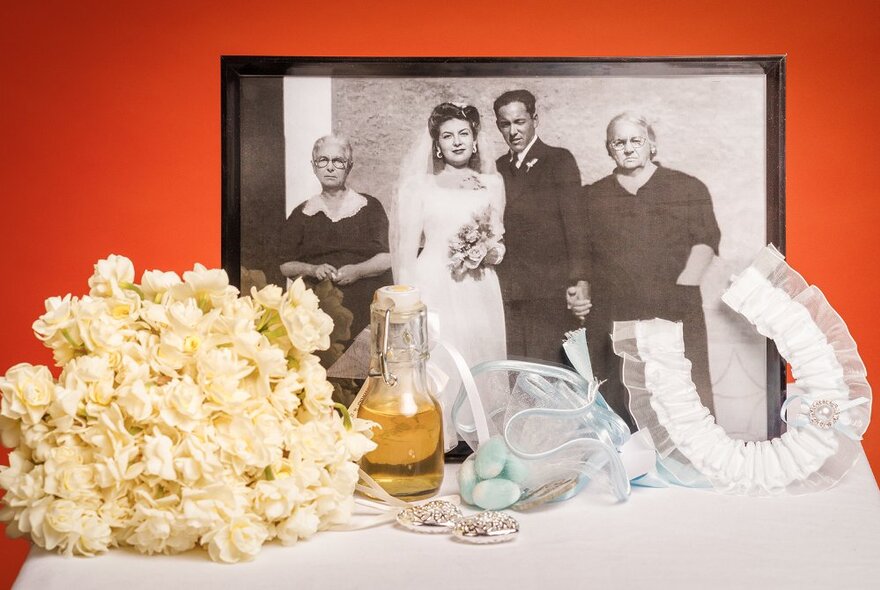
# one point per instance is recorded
(660, 538)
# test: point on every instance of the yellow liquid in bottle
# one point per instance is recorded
(408, 461)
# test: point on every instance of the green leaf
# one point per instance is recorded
(132, 287)
(346, 417)
(70, 341)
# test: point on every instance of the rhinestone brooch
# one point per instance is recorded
(436, 516)
(824, 413)
(486, 527)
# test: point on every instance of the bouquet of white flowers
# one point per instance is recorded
(477, 244)
(183, 415)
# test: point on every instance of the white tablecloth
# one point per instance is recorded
(660, 538)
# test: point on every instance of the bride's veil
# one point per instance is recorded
(414, 181)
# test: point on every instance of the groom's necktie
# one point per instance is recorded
(513, 167)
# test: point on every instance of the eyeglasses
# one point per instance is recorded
(338, 163)
(618, 145)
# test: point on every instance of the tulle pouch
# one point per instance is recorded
(558, 433)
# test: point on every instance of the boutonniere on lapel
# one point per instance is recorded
(531, 163)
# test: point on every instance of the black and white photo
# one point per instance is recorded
(525, 198)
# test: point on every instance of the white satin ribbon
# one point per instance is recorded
(464, 371)
(384, 508)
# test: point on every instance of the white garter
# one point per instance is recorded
(818, 448)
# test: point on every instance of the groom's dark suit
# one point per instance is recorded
(546, 249)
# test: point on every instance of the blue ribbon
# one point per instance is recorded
(606, 430)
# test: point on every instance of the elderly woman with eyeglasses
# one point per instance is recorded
(339, 235)
(652, 234)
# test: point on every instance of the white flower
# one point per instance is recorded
(285, 396)
(237, 315)
(269, 296)
(276, 499)
(136, 400)
(155, 315)
(71, 480)
(269, 425)
(93, 376)
(206, 507)
(269, 361)
(108, 434)
(26, 517)
(237, 540)
(117, 512)
(220, 373)
(13, 478)
(27, 392)
(67, 404)
(302, 524)
(318, 396)
(315, 441)
(155, 283)
(111, 275)
(63, 520)
(181, 404)
(95, 534)
(116, 470)
(183, 415)
(26, 500)
(208, 287)
(339, 509)
(185, 334)
(196, 459)
(56, 328)
(134, 366)
(308, 328)
(38, 439)
(242, 443)
(185, 316)
(102, 333)
(358, 439)
(161, 530)
(158, 457)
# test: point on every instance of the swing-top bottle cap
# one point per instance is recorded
(400, 298)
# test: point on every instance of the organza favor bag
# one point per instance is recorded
(552, 420)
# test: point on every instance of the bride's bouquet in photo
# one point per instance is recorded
(477, 244)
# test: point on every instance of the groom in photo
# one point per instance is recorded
(545, 268)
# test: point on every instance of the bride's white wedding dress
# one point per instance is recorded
(469, 306)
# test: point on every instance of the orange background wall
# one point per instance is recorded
(110, 123)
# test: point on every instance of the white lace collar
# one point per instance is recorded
(352, 203)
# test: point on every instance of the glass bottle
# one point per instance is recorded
(408, 461)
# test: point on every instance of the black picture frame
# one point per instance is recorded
(234, 69)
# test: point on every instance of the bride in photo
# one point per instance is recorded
(446, 230)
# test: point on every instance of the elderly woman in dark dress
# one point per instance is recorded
(339, 236)
(652, 234)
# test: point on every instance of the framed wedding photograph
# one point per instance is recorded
(524, 197)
